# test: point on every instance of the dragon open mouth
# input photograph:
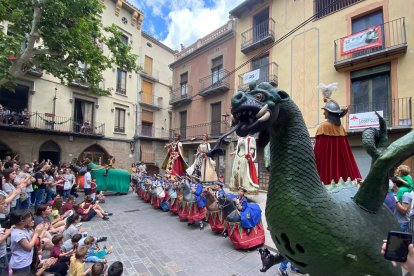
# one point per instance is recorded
(251, 119)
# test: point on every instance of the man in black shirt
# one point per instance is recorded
(40, 177)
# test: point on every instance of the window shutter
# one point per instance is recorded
(147, 116)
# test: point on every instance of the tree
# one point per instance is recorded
(56, 36)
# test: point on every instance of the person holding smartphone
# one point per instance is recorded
(409, 263)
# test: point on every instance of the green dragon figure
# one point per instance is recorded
(333, 230)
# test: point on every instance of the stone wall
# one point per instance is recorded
(27, 145)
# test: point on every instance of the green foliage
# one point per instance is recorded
(68, 34)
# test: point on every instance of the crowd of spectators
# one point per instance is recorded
(14, 117)
(41, 214)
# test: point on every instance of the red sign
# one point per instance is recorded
(366, 39)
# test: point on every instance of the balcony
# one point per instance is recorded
(267, 73)
(223, 31)
(212, 129)
(214, 84)
(120, 91)
(379, 43)
(150, 132)
(181, 95)
(150, 101)
(49, 123)
(397, 112)
(150, 74)
(258, 36)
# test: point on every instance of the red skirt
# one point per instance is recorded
(216, 221)
(334, 159)
(174, 205)
(155, 202)
(147, 196)
(243, 240)
(195, 214)
(183, 211)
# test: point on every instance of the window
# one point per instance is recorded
(215, 119)
(148, 65)
(371, 90)
(184, 84)
(217, 69)
(261, 25)
(83, 116)
(121, 82)
(262, 64)
(146, 129)
(365, 22)
(124, 39)
(183, 124)
(147, 96)
(119, 120)
(147, 121)
(147, 152)
(326, 7)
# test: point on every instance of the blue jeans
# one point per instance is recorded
(24, 205)
(40, 193)
(404, 226)
(49, 194)
(284, 265)
(94, 259)
(65, 194)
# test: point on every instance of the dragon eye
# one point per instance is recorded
(259, 97)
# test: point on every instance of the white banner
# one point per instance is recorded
(364, 120)
(251, 76)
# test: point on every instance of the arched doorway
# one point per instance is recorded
(5, 151)
(96, 154)
(49, 150)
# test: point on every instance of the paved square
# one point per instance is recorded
(151, 242)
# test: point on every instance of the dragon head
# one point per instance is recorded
(256, 109)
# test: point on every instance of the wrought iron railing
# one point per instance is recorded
(396, 112)
(50, 122)
(182, 93)
(212, 129)
(214, 80)
(325, 7)
(258, 33)
(268, 73)
(121, 91)
(150, 131)
(390, 36)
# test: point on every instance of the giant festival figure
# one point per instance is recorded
(334, 158)
(244, 172)
(335, 229)
(174, 163)
(203, 166)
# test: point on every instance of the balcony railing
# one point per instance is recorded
(181, 95)
(50, 122)
(153, 132)
(268, 73)
(326, 7)
(397, 112)
(151, 74)
(212, 129)
(385, 41)
(121, 91)
(214, 83)
(214, 35)
(150, 100)
(258, 36)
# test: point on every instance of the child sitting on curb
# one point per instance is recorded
(95, 254)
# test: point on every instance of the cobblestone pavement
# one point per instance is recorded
(150, 242)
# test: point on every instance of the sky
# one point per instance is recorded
(176, 22)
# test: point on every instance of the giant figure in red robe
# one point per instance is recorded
(334, 158)
(174, 163)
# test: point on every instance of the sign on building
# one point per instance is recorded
(364, 120)
(251, 76)
(366, 39)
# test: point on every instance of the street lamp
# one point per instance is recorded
(54, 108)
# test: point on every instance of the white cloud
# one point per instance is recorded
(189, 20)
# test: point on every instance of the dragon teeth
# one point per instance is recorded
(265, 117)
(262, 111)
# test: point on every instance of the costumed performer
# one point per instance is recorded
(203, 166)
(334, 158)
(174, 163)
(244, 172)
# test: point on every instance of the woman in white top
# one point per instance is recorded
(8, 187)
(22, 242)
